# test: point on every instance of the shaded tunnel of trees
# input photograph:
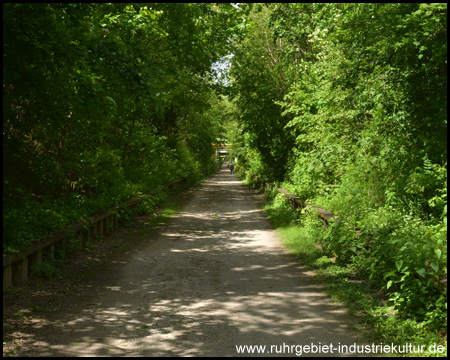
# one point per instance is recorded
(344, 105)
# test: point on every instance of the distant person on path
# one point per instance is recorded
(232, 169)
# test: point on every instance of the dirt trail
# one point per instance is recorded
(212, 278)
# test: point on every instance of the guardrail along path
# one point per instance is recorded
(211, 278)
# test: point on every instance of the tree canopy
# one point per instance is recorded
(103, 101)
(344, 104)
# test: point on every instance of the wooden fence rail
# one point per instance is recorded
(298, 203)
(16, 267)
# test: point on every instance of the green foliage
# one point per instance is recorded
(148, 204)
(400, 255)
(356, 281)
(360, 92)
(344, 104)
(103, 102)
(259, 82)
(45, 270)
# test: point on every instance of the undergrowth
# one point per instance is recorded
(350, 281)
(31, 219)
(158, 208)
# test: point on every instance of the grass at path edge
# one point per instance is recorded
(301, 234)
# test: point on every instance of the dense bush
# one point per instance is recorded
(359, 96)
(102, 102)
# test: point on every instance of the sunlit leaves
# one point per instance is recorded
(364, 97)
(104, 100)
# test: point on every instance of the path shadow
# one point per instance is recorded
(210, 279)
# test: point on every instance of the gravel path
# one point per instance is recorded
(210, 279)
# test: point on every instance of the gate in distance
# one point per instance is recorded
(222, 151)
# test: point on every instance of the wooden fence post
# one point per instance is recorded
(20, 269)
